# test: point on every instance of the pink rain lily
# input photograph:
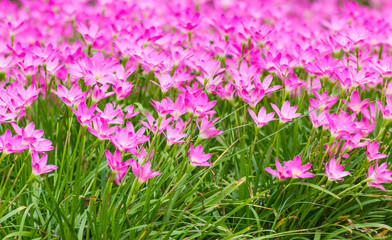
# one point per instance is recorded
(141, 156)
(123, 89)
(39, 164)
(100, 128)
(6, 117)
(143, 173)
(323, 102)
(334, 170)
(387, 109)
(90, 34)
(29, 134)
(71, 97)
(114, 116)
(163, 108)
(117, 166)
(380, 174)
(126, 139)
(197, 157)
(100, 93)
(129, 111)
(298, 171)
(152, 124)
(84, 114)
(199, 105)
(25, 96)
(207, 129)
(165, 81)
(287, 113)
(262, 118)
(281, 172)
(174, 135)
(11, 144)
(355, 104)
(372, 152)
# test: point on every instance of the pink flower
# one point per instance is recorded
(178, 108)
(163, 108)
(174, 135)
(90, 34)
(355, 104)
(372, 152)
(123, 89)
(323, 101)
(225, 92)
(165, 81)
(29, 134)
(100, 128)
(189, 20)
(287, 113)
(262, 118)
(252, 97)
(387, 110)
(100, 93)
(71, 97)
(6, 117)
(10, 144)
(41, 146)
(152, 124)
(25, 96)
(318, 120)
(39, 164)
(206, 128)
(298, 171)
(379, 175)
(129, 111)
(281, 172)
(126, 139)
(143, 173)
(199, 105)
(141, 156)
(84, 114)
(335, 171)
(114, 116)
(197, 157)
(117, 166)
(99, 69)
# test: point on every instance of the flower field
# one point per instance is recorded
(195, 119)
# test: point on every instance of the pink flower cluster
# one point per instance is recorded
(188, 59)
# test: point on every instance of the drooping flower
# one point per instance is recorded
(39, 164)
(197, 157)
(143, 173)
(380, 174)
(334, 170)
